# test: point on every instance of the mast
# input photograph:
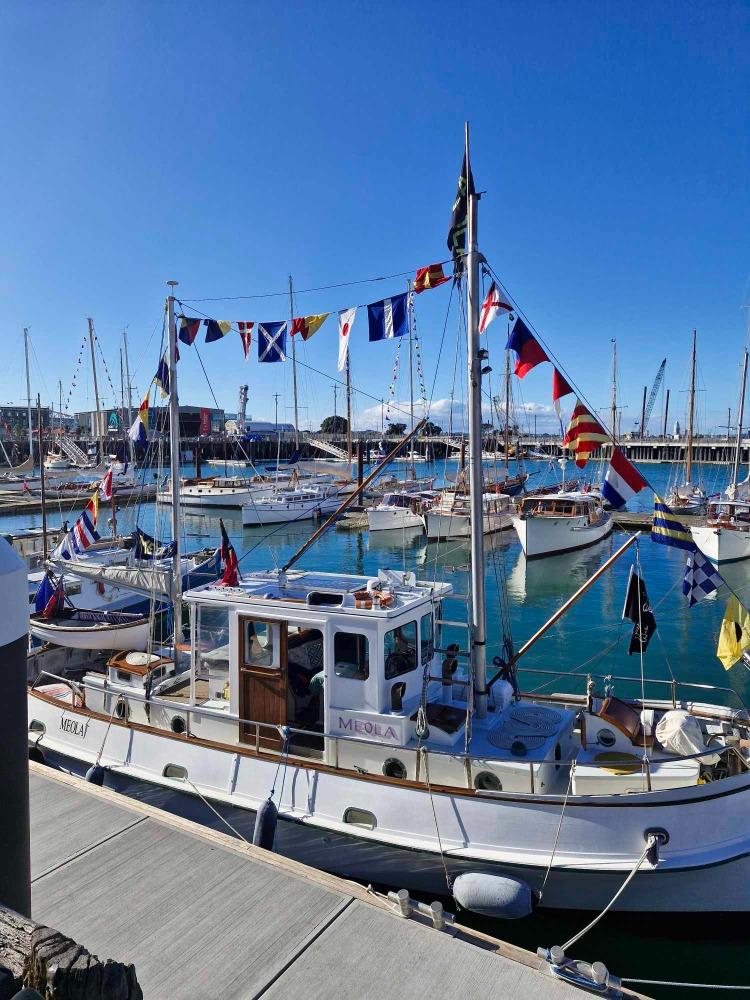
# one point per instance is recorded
(691, 409)
(174, 463)
(613, 405)
(294, 363)
(131, 451)
(507, 410)
(478, 601)
(740, 415)
(99, 435)
(28, 400)
(41, 474)
(348, 414)
(411, 381)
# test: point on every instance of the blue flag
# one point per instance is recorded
(43, 594)
(388, 318)
(667, 530)
(701, 578)
(272, 342)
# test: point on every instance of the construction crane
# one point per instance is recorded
(648, 407)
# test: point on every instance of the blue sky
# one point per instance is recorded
(228, 145)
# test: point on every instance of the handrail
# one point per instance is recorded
(391, 747)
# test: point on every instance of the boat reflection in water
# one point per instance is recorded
(555, 575)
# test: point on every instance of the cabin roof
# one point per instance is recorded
(326, 592)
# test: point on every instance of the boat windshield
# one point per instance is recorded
(212, 652)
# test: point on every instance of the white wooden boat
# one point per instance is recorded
(450, 516)
(221, 492)
(291, 505)
(78, 628)
(401, 509)
(725, 537)
(57, 460)
(549, 524)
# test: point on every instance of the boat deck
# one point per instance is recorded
(202, 914)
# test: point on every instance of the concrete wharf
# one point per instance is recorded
(202, 914)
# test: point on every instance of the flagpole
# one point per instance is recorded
(294, 362)
(478, 644)
(99, 435)
(174, 464)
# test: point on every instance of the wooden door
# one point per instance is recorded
(263, 680)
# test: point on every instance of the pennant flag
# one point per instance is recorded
(105, 487)
(584, 434)
(308, 325)
(162, 376)
(459, 215)
(216, 329)
(56, 601)
(139, 431)
(388, 318)
(272, 342)
(495, 303)
(246, 336)
(44, 592)
(701, 578)
(667, 530)
(346, 322)
(83, 533)
(734, 637)
(560, 388)
(429, 277)
(638, 610)
(231, 575)
(622, 481)
(188, 329)
(529, 352)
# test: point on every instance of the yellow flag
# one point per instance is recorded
(734, 637)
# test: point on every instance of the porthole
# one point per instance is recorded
(122, 709)
(35, 726)
(360, 817)
(175, 771)
(486, 781)
(606, 738)
(394, 768)
(177, 725)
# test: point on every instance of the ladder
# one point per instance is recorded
(73, 452)
(325, 446)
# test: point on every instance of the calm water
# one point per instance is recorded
(590, 637)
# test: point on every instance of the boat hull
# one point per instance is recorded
(722, 545)
(704, 867)
(270, 512)
(447, 525)
(393, 518)
(105, 637)
(550, 536)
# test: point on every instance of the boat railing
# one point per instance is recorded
(423, 753)
(673, 683)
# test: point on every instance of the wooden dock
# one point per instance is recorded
(202, 914)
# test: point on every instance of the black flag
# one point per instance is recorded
(638, 610)
(459, 218)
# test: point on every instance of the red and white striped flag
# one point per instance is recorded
(584, 434)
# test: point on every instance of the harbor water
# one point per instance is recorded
(590, 639)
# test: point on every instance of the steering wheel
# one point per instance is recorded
(396, 663)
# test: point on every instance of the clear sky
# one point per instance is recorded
(228, 145)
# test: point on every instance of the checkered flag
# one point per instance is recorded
(701, 578)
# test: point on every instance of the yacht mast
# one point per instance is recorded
(42, 479)
(740, 415)
(348, 414)
(613, 407)
(506, 442)
(478, 601)
(28, 400)
(691, 409)
(99, 435)
(174, 463)
(131, 451)
(294, 363)
(411, 381)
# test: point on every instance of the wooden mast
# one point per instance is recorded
(294, 363)
(174, 463)
(99, 435)
(740, 416)
(28, 402)
(691, 412)
(506, 443)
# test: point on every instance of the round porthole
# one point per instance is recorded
(486, 781)
(394, 768)
(606, 738)
(178, 725)
(122, 710)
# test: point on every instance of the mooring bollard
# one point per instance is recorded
(15, 862)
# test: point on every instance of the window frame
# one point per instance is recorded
(357, 635)
(401, 673)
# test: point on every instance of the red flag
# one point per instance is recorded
(246, 333)
(105, 487)
(231, 575)
(429, 277)
(560, 388)
(584, 434)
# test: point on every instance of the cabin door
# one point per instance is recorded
(263, 680)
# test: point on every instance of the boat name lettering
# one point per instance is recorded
(368, 728)
(74, 727)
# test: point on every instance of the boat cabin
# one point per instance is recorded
(729, 514)
(561, 505)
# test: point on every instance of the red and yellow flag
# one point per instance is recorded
(584, 434)
(429, 277)
(308, 325)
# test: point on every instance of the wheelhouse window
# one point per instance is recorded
(401, 650)
(260, 646)
(351, 655)
(426, 638)
(212, 652)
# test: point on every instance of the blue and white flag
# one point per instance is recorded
(44, 592)
(272, 341)
(388, 318)
(701, 578)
